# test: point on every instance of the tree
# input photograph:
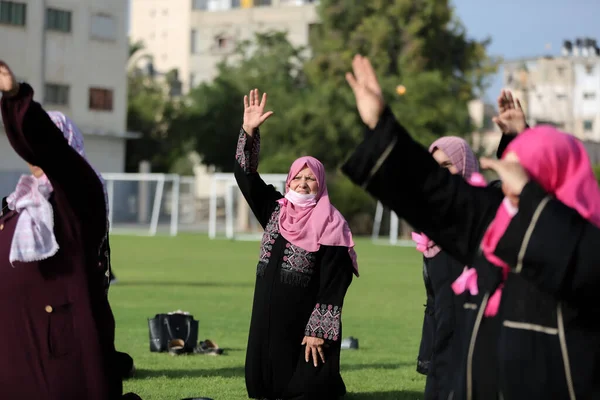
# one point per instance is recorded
(214, 110)
(149, 112)
(420, 44)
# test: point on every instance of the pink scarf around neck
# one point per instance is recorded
(309, 222)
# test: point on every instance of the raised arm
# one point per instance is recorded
(510, 120)
(401, 174)
(260, 197)
(34, 136)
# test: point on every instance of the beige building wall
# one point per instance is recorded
(195, 41)
(164, 28)
(564, 91)
(92, 54)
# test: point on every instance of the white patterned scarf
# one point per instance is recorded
(34, 238)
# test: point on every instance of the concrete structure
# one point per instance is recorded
(563, 91)
(73, 53)
(193, 36)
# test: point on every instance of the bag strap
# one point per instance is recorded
(189, 328)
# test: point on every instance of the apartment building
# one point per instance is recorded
(562, 90)
(193, 36)
(73, 53)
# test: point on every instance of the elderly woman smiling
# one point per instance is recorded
(305, 266)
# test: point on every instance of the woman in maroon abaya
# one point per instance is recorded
(59, 328)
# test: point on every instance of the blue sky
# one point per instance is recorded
(523, 28)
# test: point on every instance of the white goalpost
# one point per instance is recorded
(238, 220)
(394, 227)
(149, 203)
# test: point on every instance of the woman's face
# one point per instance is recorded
(444, 161)
(305, 182)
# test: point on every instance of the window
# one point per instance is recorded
(561, 96)
(194, 41)
(56, 94)
(236, 3)
(103, 27)
(58, 20)
(101, 99)
(589, 95)
(192, 80)
(589, 69)
(222, 42)
(199, 4)
(13, 13)
(262, 2)
(561, 71)
(588, 125)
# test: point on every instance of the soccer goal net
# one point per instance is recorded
(150, 204)
(229, 215)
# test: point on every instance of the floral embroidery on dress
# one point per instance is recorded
(298, 265)
(248, 158)
(324, 322)
(268, 240)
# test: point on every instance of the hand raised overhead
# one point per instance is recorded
(367, 91)
(511, 118)
(8, 83)
(254, 111)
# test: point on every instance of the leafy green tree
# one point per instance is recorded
(214, 110)
(419, 44)
(150, 111)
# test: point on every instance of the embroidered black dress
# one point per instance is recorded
(297, 294)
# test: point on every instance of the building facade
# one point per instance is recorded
(193, 36)
(563, 91)
(73, 53)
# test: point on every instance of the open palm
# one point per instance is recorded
(367, 91)
(511, 118)
(254, 111)
(7, 79)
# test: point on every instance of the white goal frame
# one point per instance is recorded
(394, 228)
(277, 180)
(160, 180)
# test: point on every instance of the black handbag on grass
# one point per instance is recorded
(173, 330)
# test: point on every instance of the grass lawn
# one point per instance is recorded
(214, 281)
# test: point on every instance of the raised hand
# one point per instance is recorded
(511, 173)
(511, 118)
(254, 111)
(364, 84)
(8, 83)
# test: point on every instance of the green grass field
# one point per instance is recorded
(214, 281)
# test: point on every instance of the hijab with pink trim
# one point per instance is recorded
(314, 222)
(462, 157)
(560, 164)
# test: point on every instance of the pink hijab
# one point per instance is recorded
(459, 152)
(319, 223)
(560, 164)
(462, 157)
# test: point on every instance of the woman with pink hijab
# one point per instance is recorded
(306, 264)
(443, 322)
(533, 245)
